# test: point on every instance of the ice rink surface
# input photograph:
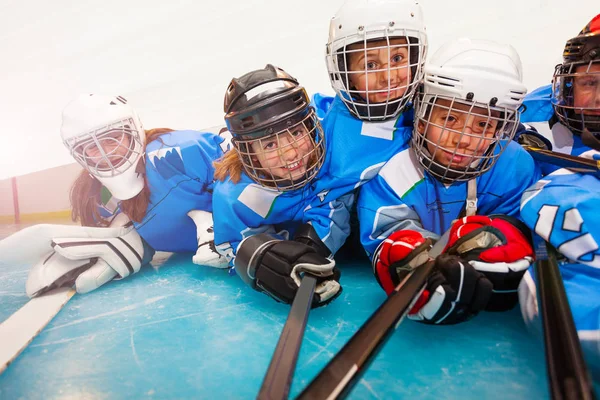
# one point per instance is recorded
(177, 330)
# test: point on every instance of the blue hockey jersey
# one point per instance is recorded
(179, 174)
(562, 208)
(405, 196)
(538, 112)
(355, 151)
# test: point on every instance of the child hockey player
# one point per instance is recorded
(156, 178)
(461, 160)
(566, 112)
(374, 56)
(278, 210)
(562, 206)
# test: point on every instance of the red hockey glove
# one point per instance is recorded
(500, 247)
(397, 255)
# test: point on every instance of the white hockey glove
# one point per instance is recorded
(64, 255)
(207, 253)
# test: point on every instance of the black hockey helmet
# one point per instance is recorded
(260, 102)
(269, 105)
(581, 61)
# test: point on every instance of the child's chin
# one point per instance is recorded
(298, 174)
(385, 100)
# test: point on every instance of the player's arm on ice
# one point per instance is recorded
(230, 231)
(391, 233)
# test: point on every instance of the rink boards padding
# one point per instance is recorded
(177, 330)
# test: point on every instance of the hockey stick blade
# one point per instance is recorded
(26, 323)
(574, 163)
(278, 379)
(344, 370)
(568, 376)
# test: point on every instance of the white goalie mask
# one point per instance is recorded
(375, 55)
(468, 108)
(105, 136)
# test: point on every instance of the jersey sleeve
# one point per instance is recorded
(382, 212)
(331, 221)
(184, 158)
(538, 105)
(234, 220)
(514, 173)
(562, 208)
(179, 174)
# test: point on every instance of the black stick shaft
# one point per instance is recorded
(278, 379)
(574, 163)
(568, 376)
(344, 370)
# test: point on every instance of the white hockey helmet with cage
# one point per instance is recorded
(366, 21)
(105, 136)
(477, 86)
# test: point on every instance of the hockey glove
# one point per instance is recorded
(207, 253)
(455, 292)
(275, 267)
(498, 246)
(306, 234)
(65, 255)
(397, 255)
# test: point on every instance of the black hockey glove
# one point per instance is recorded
(306, 234)
(276, 266)
(455, 292)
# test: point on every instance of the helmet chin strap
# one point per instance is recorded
(471, 206)
(380, 111)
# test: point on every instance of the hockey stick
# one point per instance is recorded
(277, 381)
(344, 370)
(24, 325)
(568, 375)
(574, 163)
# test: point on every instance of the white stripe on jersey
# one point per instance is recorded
(402, 173)
(258, 199)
